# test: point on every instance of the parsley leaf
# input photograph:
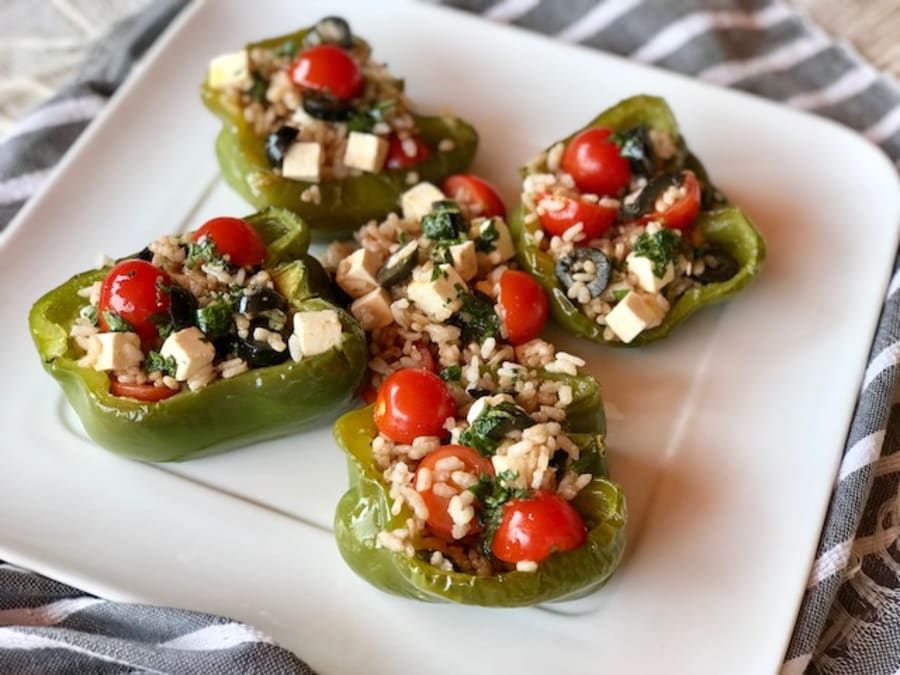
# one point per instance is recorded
(445, 222)
(89, 312)
(492, 425)
(215, 319)
(203, 251)
(660, 247)
(451, 374)
(155, 361)
(115, 323)
(476, 317)
(365, 119)
(492, 492)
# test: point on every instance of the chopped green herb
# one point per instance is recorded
(660, 247)
(485, 240)
(493, 424)
(288, 49)
(89, 312)
(492, 493)
(476, 317)
(620, 293)
(635, 146)
(258, 89)
(451, 374)
(215, 319)
(203, 251)
(155, 361)
(365, 119)
(164, 330)
(445, 222)
(115, 323)
(441, 255)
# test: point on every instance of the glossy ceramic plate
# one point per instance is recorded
(726, 436)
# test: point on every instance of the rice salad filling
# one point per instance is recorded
(431, 287)
(326, 109)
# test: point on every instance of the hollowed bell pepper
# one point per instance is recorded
(258, 404)
(719, 224)
(347, 203)
(365, 510)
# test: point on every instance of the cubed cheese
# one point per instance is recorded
(634, 313)
(314, 333)
(439, 297)
(366, 152)
(191, 350)
(642, 269)
(496, 231)
(373, 310)
(465, 259)
(117, 351)
(523, 466)
(229, 70)
(416, 202)
(302, 161)
(356, 273)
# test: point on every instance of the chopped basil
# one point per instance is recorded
(485, 240)
(476, 317)
(115, 323)
(492, 492)
(661, 248)
(445, 222)
(215, 319)
(451, 374)
(493, 424)
(203, 251)
(89, 312)
(155, 361)
(365, 119)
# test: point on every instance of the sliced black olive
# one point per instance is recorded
(399, 265)
(332, 30)
(145, 254)
(498, 420)
(256, 353)
(718, 266)
(478, 392)
(263, 300)
(635, 146)
(572, 263)
(645, 202)
(278, 142)
(182, 308)
(326, 107)
(445, 221)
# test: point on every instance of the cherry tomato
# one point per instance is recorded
(426, 357)
(142, 392)
(235, 238)
(533, 528)
(595, 162)
(475, 193)
(329, 69)
(439, 519)
(369, 393)
(138, 292)
(681, 214)
(595, 218)
(397, 157)
(523, 306)
(413, 402)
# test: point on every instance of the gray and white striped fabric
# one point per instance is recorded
(850, 618)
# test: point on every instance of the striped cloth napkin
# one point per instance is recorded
(849, 621)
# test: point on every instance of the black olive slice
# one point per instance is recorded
(332, 30)
(256, 353)
(645, 202)
(278, 142)
(573, 263)
(326, 107)
(718, 266)
(182, 308)
(146, 254)
(263, 300)
(399, 265)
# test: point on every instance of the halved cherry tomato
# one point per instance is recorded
(595, 162)
(413, 402)
(595, 218)
(439, 519)
(681, 214)
(475, 194)
(235, 238)
(533, 528)
(138, 292)
(523, 306)
(369, 393)
(329, 69)
(141, 392)
(397, 158)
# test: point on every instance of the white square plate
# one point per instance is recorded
(726, 436)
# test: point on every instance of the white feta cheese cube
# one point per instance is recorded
(465, 259)
(634, 313)
(366, 152)
(117, 351)
(302, 161)
(416, 202)
(521, 465)
(496, 231)
(229, 70)
(642, 269)
(373, 310)
(356, 273)
(440, 297)
(315, 332)
(191, 350)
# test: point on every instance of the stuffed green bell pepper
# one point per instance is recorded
(501, 500)
(202, 341)
(624, 230)
(312, 124)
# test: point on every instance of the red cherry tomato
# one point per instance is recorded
(596, 163)
(523, 306)
(476, 194)
(439, 519)
(235, 238)
(533, 528)
(413, 402)
(141, 392)
(595, 218)
(681, 214)
(138, 292)
(329, 69)
(397, 158)
(369, 393)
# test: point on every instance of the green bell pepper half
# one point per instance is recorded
(258, 404)
(347, 203)
(719, 224)
(365, 510)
